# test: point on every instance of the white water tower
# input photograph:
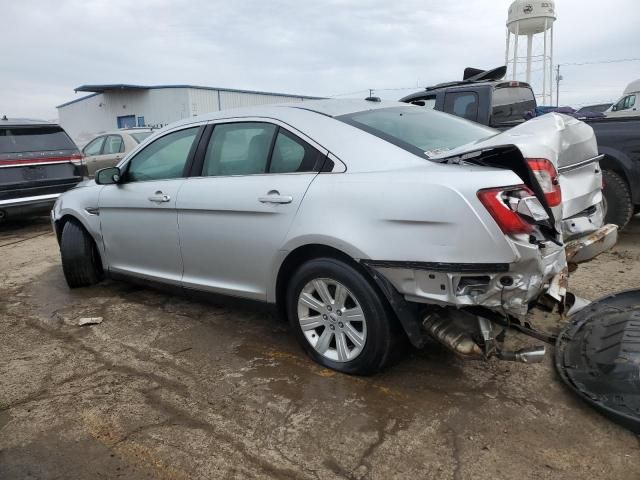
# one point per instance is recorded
(530, 18)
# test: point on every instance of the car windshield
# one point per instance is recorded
(140, 136)
(417, 129)
(34, 139)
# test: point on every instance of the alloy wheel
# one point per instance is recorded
(332, 319)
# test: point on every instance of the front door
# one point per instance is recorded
(138, 216)
(112, 152)
(234, 218)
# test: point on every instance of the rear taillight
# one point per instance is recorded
(77, 159)
(496, 201)
(547, 177)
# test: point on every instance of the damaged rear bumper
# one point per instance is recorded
(587, 247)
(509, 287)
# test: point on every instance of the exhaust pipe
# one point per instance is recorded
(524, 355)
(453, 336)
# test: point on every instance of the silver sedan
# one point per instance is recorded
(359, 219)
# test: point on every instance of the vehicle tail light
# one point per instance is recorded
(496, 201)
(77, 159)
(547, 177)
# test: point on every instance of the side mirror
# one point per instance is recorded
(614, 108)
(108, 176)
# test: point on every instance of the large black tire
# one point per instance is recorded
(80, 259)
(617, 197)
(379, 322)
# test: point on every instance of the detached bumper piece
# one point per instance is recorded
(590, 246)
(598, 356)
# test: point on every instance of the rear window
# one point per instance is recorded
(34, 139)
(510, 103)
(419, 130)
(140, 136)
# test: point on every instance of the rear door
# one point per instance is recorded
(234, 217)
(138, 217)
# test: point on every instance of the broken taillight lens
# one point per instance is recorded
(496, 201)
(547, 177)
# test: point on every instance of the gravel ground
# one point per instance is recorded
(171, 388)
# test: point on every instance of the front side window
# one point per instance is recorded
(113, 144)
(238, 149)
(93, 147)
(462, 104)
(418, 130)
(164, 158)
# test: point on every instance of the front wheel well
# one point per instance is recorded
(59, 227)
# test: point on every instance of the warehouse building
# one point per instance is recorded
(109, 107)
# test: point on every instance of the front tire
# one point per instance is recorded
(617, 197)
(80, 259)
(338, 317)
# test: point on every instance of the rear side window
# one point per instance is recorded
(140, 136)
(509, 104)
(164, 158)
(34, 139)
(238, 149)
(462, 104)
(291, 154)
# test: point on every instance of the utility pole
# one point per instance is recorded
(558, 78)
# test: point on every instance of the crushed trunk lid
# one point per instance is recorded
(598, 356)
(569, 144)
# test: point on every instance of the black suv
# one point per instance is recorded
(38, 162)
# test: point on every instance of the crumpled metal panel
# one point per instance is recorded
(598, 356)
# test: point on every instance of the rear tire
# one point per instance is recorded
(80, 259)
(617, 197)
(354, 344)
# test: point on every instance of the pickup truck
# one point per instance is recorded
(485, 98)
(38, 162)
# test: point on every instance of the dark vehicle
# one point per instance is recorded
(599, 108)
(38, 162)
(483, 97)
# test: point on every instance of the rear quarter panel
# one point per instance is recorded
(428, 214)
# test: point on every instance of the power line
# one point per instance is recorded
(620, 60)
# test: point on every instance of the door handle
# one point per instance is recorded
(159, 197)
(274, 197)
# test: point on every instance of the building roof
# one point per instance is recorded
(4, 121)
(98, 89)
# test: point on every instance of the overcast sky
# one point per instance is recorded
(322, 48)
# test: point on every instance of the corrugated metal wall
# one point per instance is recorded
(160, 106)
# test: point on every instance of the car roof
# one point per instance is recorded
(4, 121)
(327, 108)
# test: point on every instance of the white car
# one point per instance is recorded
(359, 219)
(107, 149)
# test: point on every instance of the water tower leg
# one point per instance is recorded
(544, 65)
(506, 54)
(515, 52)
(529, 46)
(551, 69)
